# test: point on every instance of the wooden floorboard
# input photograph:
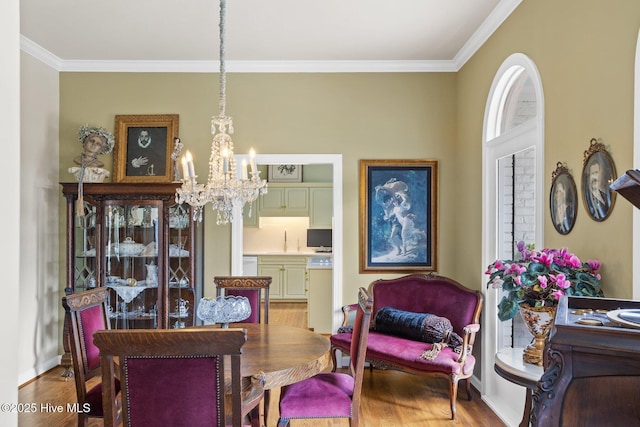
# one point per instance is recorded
(389, 398)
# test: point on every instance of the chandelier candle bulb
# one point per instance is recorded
(245, 175)
(225, 161)
(252, 160)
(191, 168)
(185, 168)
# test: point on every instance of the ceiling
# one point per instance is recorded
(261, 35)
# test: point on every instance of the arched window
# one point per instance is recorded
(513, 196)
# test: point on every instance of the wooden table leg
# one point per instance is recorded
(527, 409)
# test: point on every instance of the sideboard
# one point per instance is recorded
(592, 372)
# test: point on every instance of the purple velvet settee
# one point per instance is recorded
(436, 295)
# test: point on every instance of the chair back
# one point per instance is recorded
(358, 350)
(250, 287)
(173, 377)
(86, 313)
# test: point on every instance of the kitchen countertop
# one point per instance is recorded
(288, 253)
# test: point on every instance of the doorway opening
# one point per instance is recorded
(335, 160)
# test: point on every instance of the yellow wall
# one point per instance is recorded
(584, 51)
(361, 116)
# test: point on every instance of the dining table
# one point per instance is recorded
(280, 355)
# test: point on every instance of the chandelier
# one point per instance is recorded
(224, 188)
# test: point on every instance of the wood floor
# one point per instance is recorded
(389, 398)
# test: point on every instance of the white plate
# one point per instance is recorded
(175, 315)
(615, 316)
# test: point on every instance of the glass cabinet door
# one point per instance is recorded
(85, 275)
(132, 268)
(181, 265)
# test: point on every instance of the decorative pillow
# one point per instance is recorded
(345, 329)
(424, 327)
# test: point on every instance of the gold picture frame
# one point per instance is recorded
(398, 216)
(563, 199)
(598, 173)
(143, 148)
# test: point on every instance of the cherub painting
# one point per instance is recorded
(403, 233)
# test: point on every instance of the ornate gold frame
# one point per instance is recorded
(165, 126)
(562, 177)
(597, 154)
(398, 216)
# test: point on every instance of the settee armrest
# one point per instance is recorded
(468, 339)
(349, 313)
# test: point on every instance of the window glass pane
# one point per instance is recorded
(516, 212)
(519, 104)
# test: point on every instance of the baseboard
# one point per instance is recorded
(475, 381)
(40, 369)
(509, 413)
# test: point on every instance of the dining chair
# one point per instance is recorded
(86, 313)
(252, 288)
(332, 394)
(176, 377)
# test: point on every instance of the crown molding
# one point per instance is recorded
(495, 19)
(257, 66)
(101, 66)
(479, 37)
(40, 53)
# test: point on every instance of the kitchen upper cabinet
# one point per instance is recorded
(285, 201)
(321, 207)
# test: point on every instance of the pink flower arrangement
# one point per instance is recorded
(540, 278)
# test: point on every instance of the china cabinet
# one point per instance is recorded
(134, 239)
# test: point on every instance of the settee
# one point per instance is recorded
(436, 295)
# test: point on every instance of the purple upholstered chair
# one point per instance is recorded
(331, 394)
(251, 287)
(176, 377)
(86, 313)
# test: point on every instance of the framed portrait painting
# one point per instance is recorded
(144, 144)
(563, 200)
(398, 216)
(598, 173)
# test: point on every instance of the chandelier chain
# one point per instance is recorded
(223, 71)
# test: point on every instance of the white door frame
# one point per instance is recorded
(335, 160)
